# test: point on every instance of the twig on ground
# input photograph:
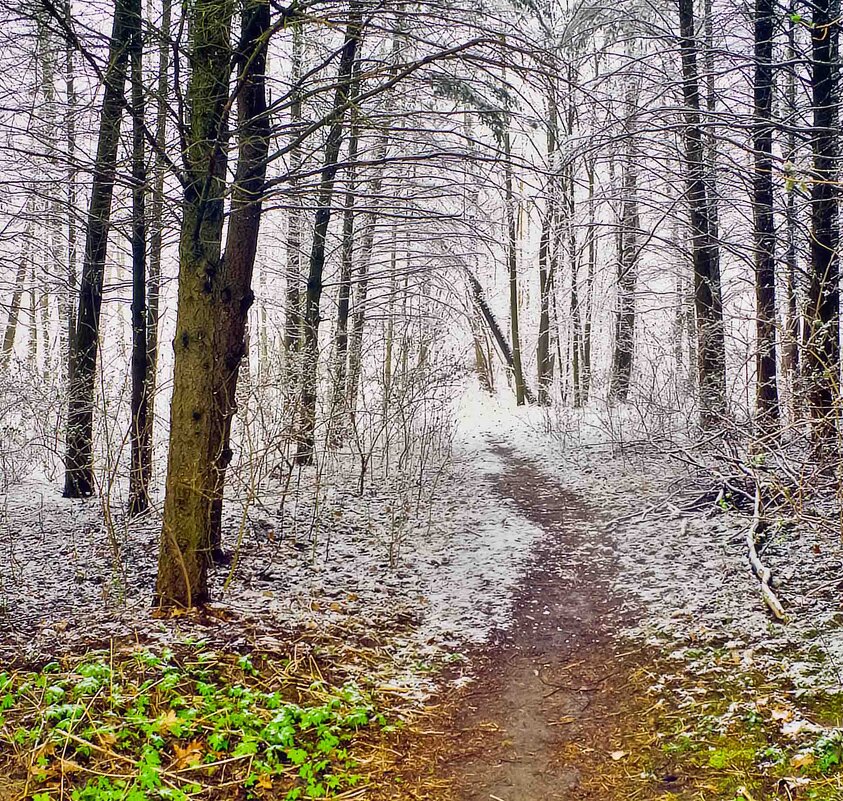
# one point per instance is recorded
(763, 572)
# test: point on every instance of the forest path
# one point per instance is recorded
(548, 707)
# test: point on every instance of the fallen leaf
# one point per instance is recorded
(168, 720)
(188, 756)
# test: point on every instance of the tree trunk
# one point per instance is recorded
(310, 345)
(338, 408)
(79, 468)
(32, 328)
(790, 343)
(292, 327)
(766, 387)
(711, 347)
(823, 353)
(544, 357)
(15, 306)
(191, 467)
(70, 137)
(358, 316)
(494, 327)
(141, 467)
(156, 247)
(627, 279)
(589, 286)
(512, 269)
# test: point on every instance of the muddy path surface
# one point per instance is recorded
(547, 712)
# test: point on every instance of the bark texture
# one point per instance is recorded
(766, 387)
(84, 346)
(822, 357)
(711, 343)
(191, 468)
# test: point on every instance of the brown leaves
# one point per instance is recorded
(189, 755)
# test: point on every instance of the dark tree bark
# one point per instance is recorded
(191, 467)
(766, 388)
(79, 467)
(234, 285)
(141, 467)
(627, 263)
(790, 345)
(822, 358)
(306, 433)
(711, 343)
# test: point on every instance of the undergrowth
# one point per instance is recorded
(189, 725)
(733, 734)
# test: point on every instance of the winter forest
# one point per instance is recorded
(420, 399)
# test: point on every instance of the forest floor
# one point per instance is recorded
(535, 620)
(641, 662)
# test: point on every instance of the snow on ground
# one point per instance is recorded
(432, 569)
(686, 574)
(426, 570)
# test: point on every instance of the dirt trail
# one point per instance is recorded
(547, 710)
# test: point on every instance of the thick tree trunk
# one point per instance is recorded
(141, 467)
(306, 434)
(766, 388)
(822, 359)
(231, 343)
(191, 467)
(711, 347)
(79, 467)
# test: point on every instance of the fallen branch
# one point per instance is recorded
(763, 572)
